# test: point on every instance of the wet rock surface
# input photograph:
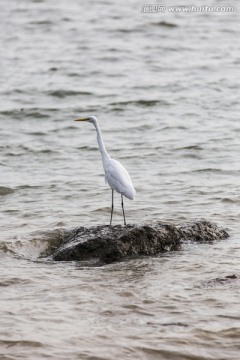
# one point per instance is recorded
(232, 280)
(105, 244)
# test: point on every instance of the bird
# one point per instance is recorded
(116, 176)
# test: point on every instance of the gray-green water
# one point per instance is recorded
(165, 88)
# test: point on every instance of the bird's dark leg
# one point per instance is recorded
(112, 209)
(123, 211)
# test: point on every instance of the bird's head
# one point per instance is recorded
(91, 119)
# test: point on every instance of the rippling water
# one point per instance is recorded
(165, 88)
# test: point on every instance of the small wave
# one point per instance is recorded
(86, 147)
(37, 133)
(24, 187)
(179, 324)
(216, 170)
(14, 91)
(23, 113)
(43, 151)
(127, 31)
(64, 93)
(190, 147)
(26, 343)
(73, 74)
(26, 149)
(164, 24)
(13, 281)
(41, 22)
(37, 246)
(101, 210)
(5, 191)
(228, 200)
(36, 114)
(140, 102)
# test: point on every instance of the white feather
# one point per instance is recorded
(118, 178)
(116, 175)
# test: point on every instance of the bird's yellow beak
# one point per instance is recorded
(81, 119)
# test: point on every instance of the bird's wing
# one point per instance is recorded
(118, 178)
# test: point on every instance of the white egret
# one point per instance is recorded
(116, 175)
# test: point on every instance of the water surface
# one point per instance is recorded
(165, 88)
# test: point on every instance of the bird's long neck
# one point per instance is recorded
(101, 145)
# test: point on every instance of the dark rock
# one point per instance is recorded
(106, 244)
(203, 231)
(221, 281)
(226, 278)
